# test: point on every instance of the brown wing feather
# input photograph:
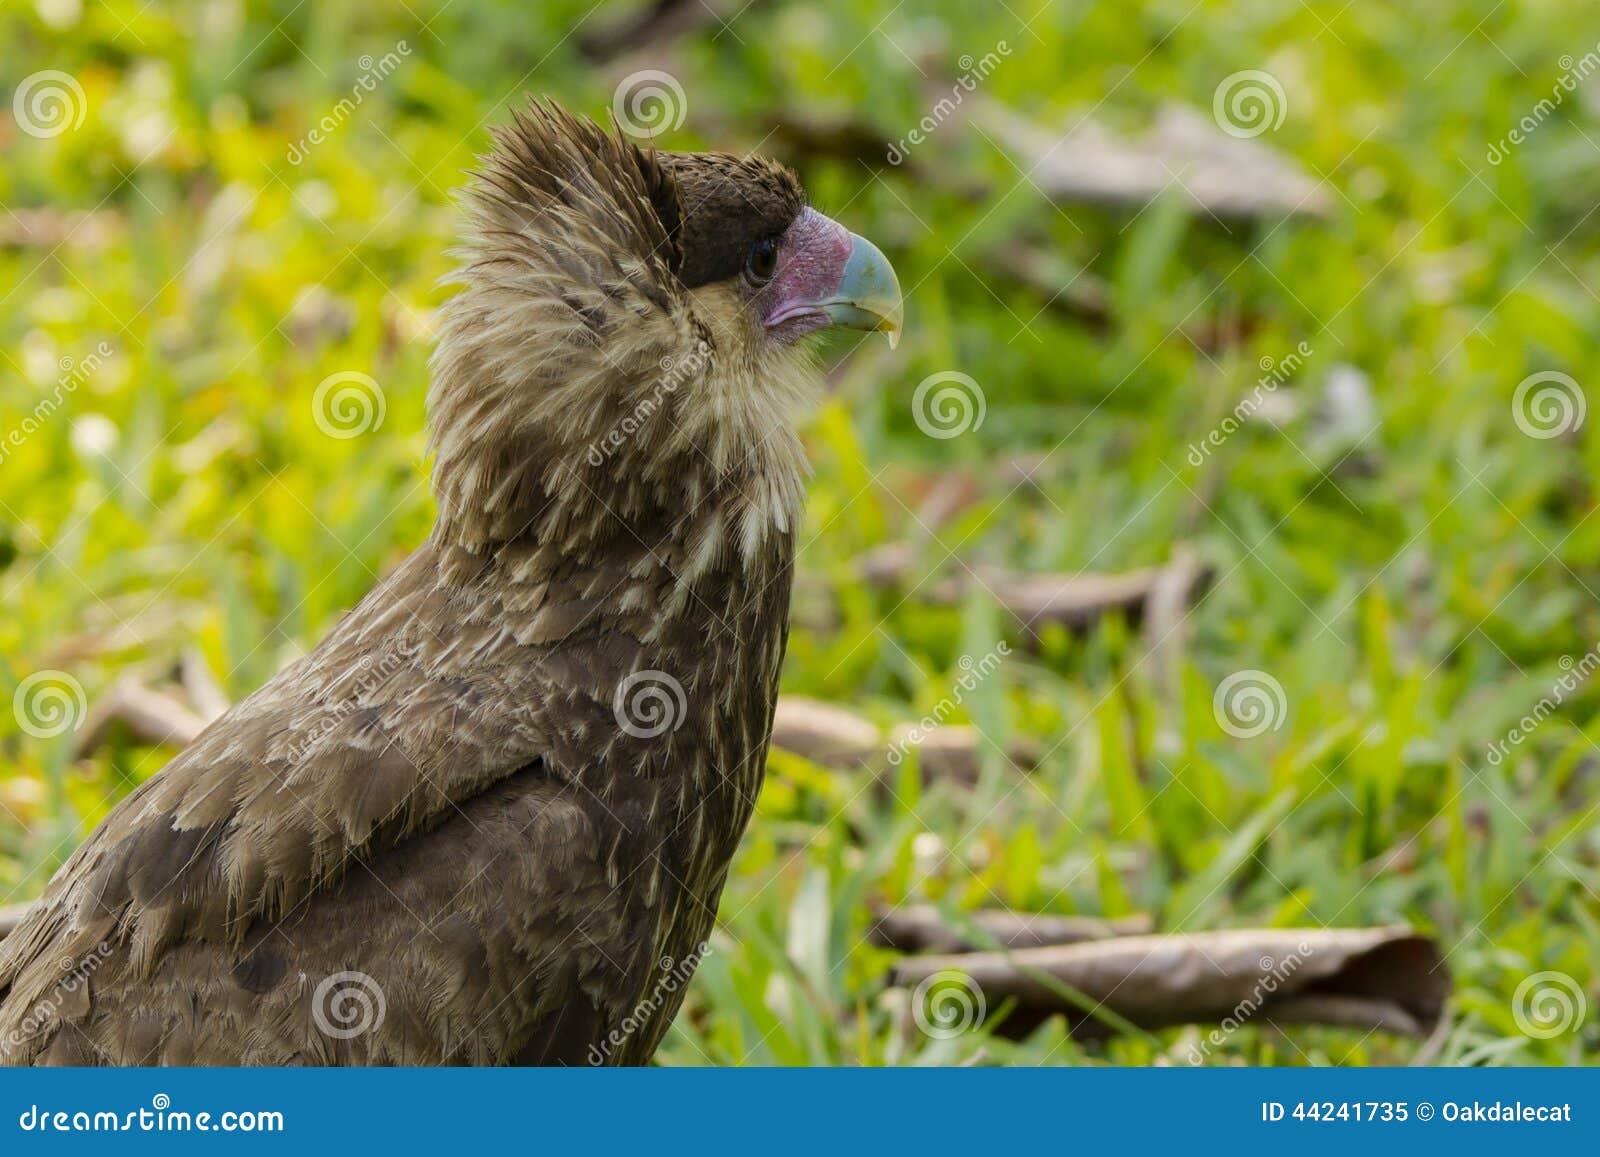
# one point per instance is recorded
(340, 754)
(449, 950)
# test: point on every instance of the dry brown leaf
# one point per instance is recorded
(1392, 977)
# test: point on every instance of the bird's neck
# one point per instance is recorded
(704, 555)
(664, 632)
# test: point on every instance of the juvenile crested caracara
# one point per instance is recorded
(488, 819)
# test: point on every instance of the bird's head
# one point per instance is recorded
(628, 339)
(763, 263)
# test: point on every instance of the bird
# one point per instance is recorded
(488, 818)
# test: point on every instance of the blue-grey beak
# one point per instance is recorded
(868, 296)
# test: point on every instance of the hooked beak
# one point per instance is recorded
(868, 296)
(830, 276)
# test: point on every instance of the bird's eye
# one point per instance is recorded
(762, 262)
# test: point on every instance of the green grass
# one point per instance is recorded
(1413, 598)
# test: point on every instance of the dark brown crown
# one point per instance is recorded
(726, 204)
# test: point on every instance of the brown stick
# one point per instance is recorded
(824, 733)
(1166, 628)
(1076, 601)
(151, 717)
(201, 686)
(837, 737)
(49, 228)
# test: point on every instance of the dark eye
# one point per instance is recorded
(762, 262)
